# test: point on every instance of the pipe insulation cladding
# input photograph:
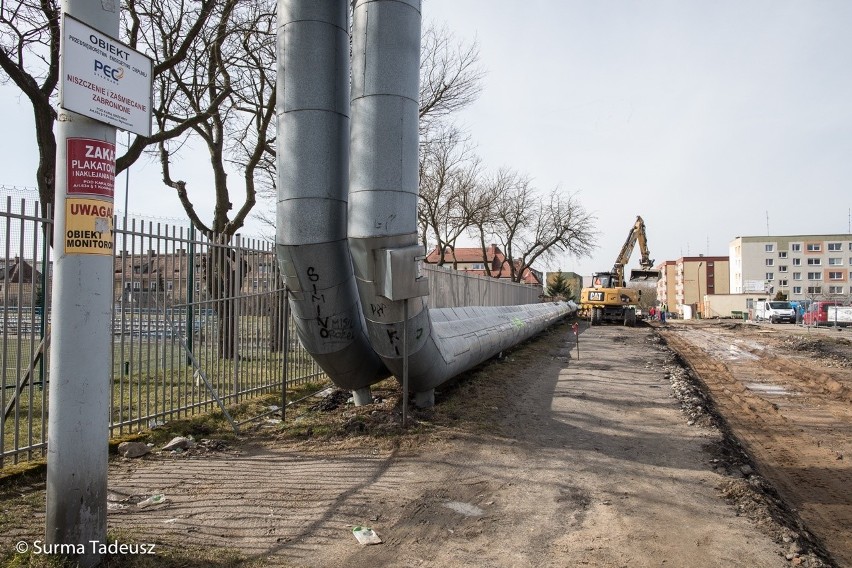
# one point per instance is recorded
(359, 181)
(313, 164)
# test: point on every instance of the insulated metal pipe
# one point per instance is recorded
(356, 333)
(383, 196)
(313, 161)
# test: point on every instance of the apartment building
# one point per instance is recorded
(800, 266)
(666, 283)
(697, 276)
(685, 281)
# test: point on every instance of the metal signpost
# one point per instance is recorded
(576, 329)
(102, 87)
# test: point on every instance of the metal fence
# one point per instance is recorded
(197, 323)
(450, 288)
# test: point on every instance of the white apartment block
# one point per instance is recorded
(800, 266)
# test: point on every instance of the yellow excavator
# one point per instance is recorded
(609, 300)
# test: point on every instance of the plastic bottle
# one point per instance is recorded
(155, 499)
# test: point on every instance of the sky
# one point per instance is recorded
(702, 117)
(711, 120)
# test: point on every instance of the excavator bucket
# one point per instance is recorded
(637, 274)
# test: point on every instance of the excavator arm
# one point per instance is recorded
(637, 233)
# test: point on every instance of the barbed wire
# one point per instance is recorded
(30, 194)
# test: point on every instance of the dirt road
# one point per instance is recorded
(578, 462)
(785, 392)
(536, 459)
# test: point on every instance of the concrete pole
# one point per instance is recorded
(80, 361)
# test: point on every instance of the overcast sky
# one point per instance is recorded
(700, 116)
(703, 117)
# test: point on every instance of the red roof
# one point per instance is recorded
(493, 256)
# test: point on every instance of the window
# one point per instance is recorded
(814, 262)
(797, 289)
(782, 254)
(835, 262)
(782, 269)
(782, 283)
(769, 262)
(835, 289)
(834, 246)
(814, 275)
(814, 247)
(797, 262)
(796, 247)
(814, 289)
(835, 275)
(770, 276)
(769, 248)
(797, 276)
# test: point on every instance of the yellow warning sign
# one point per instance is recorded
(88, 226)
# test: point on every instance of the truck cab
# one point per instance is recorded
(828, 313)
(774, 311)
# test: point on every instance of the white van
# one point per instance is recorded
(775, 311)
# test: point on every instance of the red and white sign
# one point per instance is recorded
(576, 328)
(91, 167)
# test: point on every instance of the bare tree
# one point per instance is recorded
(29, 58)
(450, 76)
(532, 227)
(449, 172)
(234, 62)
(561, 225)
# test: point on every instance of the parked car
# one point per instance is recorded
(828, 313)
(775, 311)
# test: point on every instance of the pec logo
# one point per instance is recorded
(109, 71)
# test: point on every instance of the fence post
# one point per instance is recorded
(190, 294)
(235, 326)
(45, 289)
(286, 351)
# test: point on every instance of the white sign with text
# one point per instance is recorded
(104, 79)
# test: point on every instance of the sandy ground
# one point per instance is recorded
(590, 462)
(612, 458)
(786, 394)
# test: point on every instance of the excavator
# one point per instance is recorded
(609, 300)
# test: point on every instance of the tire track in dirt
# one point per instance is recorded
(783, 441)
